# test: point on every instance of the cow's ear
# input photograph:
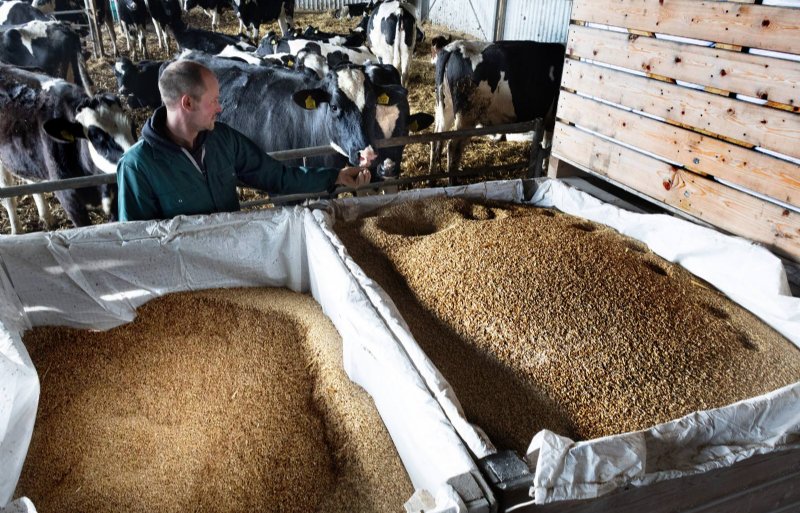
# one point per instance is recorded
(419, 121)
(63, 130)
(310, 99)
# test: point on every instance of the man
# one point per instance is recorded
(187, 163)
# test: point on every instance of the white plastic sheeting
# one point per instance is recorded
(95, 277)
(747, 273)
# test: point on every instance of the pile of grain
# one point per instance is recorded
(543, 320)
(227, 400)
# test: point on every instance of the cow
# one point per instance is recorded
(334, 54)
(353, 10)
(437, 44)
(163, 13)
(289, 110)
(133, 18)
(138, 82)
(392, 35)
(50, 130)
(17, 12)
(254, 13)
(353, 39)
(494, 83)
(50, 46)
(102, 13)
(212, 8)
(206, 41)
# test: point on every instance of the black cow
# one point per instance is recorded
(50, 46)
(211, 7)
(133, 18)
(50, 130)
(494, 83)
(102, 12)
(392, 35)
(289, 110)
(17, 12)
(138, 82)
(163, 13)
(206, 41)
(254, 13)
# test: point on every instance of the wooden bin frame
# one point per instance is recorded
(670, 119)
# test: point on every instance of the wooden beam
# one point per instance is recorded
(767, 78)
(772, 129)
(756, 171)
(727, 208)
(756, 26)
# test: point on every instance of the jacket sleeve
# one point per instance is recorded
(136, 199)
(257, 169)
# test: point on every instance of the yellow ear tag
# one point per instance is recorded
(383, 99)
(413, 127)
(67, 136)
(310, 103)
(273, 42)
(290, 63)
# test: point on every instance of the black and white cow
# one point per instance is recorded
(17, 12)
(254, 13)
(50, 46)
(163, 13)
(353, 10)
(206, 41)
(333, 54)
(102, 12)
(289, 110)
(494, 83)
(133, 19)
(138, 82)
(50, 130)
(437, 44)
(353, 39)
(392, 35)
(211, 7)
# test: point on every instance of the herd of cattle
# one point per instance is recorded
(299, 89)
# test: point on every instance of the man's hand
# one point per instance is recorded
(353, 176)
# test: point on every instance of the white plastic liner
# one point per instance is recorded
(95, 277)
(747, 273)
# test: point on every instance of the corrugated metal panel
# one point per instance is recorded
(540, 20)
(319, 5)
(475, 17)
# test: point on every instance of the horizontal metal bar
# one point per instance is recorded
(314, 151)
(467, 173)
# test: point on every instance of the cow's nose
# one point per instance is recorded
(387, 169)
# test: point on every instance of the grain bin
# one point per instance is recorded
(96, 277)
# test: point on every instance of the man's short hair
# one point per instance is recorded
(179, 78)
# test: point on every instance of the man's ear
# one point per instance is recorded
(63, 130)
(311, 99)
(187, 102)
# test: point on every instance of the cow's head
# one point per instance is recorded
(437, 44)
(344, 94)
(101, 121)
(46, 6)
(125, 73)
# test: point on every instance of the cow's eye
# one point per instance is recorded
(334, 108)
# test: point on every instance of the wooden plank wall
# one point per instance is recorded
(706, 124)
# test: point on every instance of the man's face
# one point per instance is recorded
(206, 110)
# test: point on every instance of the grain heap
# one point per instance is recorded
(226, 400)
(539, 319)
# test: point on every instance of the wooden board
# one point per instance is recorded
(756, 26)
(756, 171)
(752, 124)
(758, 76)
(767, 483)
(724, 207)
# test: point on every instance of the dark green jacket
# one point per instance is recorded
(157, 179)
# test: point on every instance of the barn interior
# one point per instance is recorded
(390, 418)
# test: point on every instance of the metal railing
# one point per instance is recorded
(534, 166)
